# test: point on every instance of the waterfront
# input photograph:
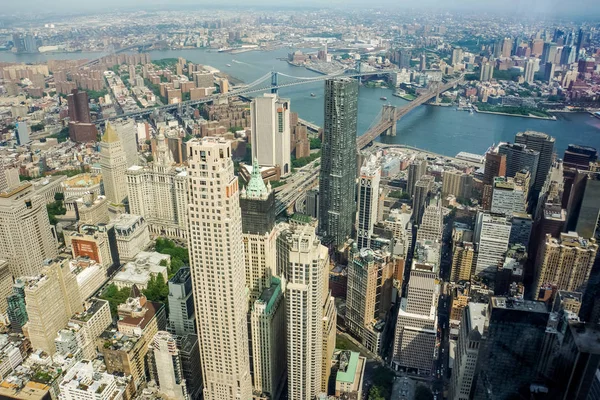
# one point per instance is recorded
(437, 129)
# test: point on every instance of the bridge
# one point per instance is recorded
(389, 116)
(269, 82)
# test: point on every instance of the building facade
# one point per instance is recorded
(113, 164)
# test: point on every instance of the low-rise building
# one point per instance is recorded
(132, 235)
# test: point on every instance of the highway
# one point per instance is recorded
(296, 186)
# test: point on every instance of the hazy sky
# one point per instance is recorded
(518, 7)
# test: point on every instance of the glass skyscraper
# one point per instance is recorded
(338, 160)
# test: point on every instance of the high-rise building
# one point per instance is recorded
(520, 157)
(548, 53)
(495, 165)
(312, 203)
(530, 71)
(492, 234)
(549, 70)
(463, 256)
(94, 320)
(303, 262)
(267, 321)
(422, 62)
(404, 57)
(17, 312)
(165, 366)
(457, 55)
(487, 71)
(583, 208)
(113, 164)
(338, 166)
(432, 222)
(271, 132)
(81, 128)
(398, 222)
(257, 202)
(507, 44)
(507, 361)
(369, 290)
(567, 56)
(544, 144)
(579, 157)
(127, 131)
(189, 353)
(520, 230)
(217, 266)
(158, 192)
(27, 238)
(416, 169)
(368, 200)
(457, 184)
(423, 188)
(182, 318)
(508, 196)
(22, 133)
(565, 263)
(329, 337)
(51, 299)
(416, 329)
(578, 362)
(472, 331)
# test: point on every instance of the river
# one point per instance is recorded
(437, 129)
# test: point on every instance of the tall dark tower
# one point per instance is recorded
(338, 160)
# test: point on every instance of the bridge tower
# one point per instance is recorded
(389, 114)
(274, 82)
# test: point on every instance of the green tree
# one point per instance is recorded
(157, 289)
(422, 392)
(115, 296)
(315, 143)
(375, 393)
(55, 208)
(59, 196)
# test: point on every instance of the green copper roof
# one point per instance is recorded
(256, 187)
(347, 375)
(270, 294)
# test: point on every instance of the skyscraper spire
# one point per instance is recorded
(256, 188)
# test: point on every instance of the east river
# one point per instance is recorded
(437, 129)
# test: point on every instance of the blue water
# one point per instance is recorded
(438, 129)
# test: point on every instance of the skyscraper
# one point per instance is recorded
(422, 189)
(432, 222)
(165, 366)
(22, 133)
(113, 164)
(565, 263)
(338, 165)
(549, 53)
(182, 318)
(51, 300)
(473, 327)
(463, 255)
(487, 72)
(495, 165)
(492, 234)
(257, 202)
(368, 200)
(579, 157)
(17, 312)
(530, 70)
(81, 128)
(27, 238)
(271, 132)
(507, 361)
(416, 169)
(304, 263)
(544, 144)
(520, 157)
(583, 208)
(158, 192)
(217, 266)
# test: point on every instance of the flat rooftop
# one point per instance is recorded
(586, 336)
(519, 305)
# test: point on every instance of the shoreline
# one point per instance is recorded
(515, 115)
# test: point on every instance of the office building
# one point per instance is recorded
(492, 234)
(257, 203)
(90, 323)
(26, 237)
(565, 263)
(312, 203)
(520, 229)
(368, 201)
(127, 131)
(471, 336)
(338, 166)
(369, 290)
(416, 328)
(577, 365)
(463, 256)
(81, 128)
(487, 71)
(544, 144)
(548, 53)
(113, 164)
(217, 266)
(549, 70)
(432, 223)
(267, 321)
(82, 381)
(350, 374)
(165, 368)
(416, 169)
(51, 299)
(22, 133)
(271, 132)
(132, 236)
(583, 207)
(520, 157)
(158, 192)
(304, 264)
(530, 71)
(507, 45)
(518, 325)
(457, 56)
(423, 188)
(17, 312)
(457, 184)
(509, 196)
(579, 157)
(329, 337)
(182, 318)
(495, 165)
(189, 353)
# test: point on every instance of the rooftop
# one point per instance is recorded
(519, 304)
(586, 337)
(348, 365)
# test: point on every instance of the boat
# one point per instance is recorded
(383, 98)
(471, 111)
(229, 65)
(312, 95)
